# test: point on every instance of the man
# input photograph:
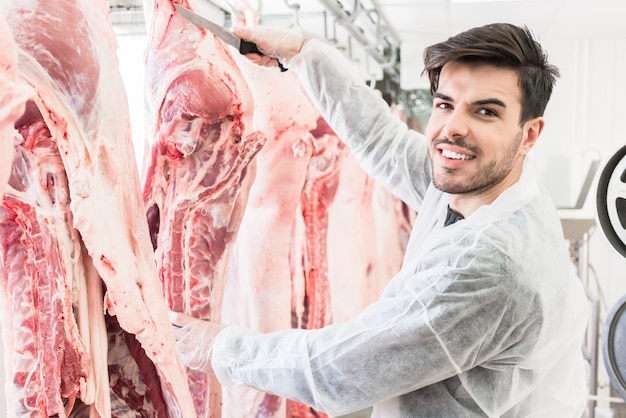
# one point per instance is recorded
(486, 317)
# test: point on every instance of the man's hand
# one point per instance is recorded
(276, 43)
(194, 339)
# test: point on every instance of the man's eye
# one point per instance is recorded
(487, 112)
(443, 105)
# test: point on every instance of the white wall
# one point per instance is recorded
(583, 122)
(131, 56)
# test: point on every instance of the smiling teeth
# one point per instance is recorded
(455, 155)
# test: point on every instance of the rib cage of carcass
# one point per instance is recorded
(85, 329)
(199, 168)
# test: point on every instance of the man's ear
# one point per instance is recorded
(532, 131)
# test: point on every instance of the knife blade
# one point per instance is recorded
(243, 46)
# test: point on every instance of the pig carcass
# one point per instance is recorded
(199, 170)
(311, 298)
(74, 242)
(393, 222)
(368, 229)
(259, 290)
(13, 95)
(314, 309)
(353, 263)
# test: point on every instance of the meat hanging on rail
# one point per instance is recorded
(85, 328)
(277, 274)
(199, 169)
(95, 339)
(259, 292)
(13, 95)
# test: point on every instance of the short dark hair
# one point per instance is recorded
(502, 45)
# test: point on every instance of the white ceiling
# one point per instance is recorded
(410, 19)
(548, 18)
(425, 20)
(414, 24)
(388, 26)
(419, 19)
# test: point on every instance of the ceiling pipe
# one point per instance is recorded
(358, 8)
(295, 7)
(344, 18)
(382, 16)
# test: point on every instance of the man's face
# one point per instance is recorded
(476, 141)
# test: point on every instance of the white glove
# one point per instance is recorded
(194, 339)
(277, 43)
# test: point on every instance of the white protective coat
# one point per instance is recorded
(486, 317)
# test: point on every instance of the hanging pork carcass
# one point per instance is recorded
(259, 287)
(310, 228)
(199, 168)
(85, 327)
(13, 95)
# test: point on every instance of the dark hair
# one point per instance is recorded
(502, 45)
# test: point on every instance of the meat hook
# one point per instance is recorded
(296, 8)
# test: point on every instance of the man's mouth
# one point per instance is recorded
(455, 155)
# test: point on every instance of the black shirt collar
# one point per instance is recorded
(452, 217)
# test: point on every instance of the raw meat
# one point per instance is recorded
(13, 96)
(199, 170)
(368, 229)
(353, 262)
(393, 222)
(46, 361)
(319, 192)
(259, 290)
(74, 237)
(311, 304)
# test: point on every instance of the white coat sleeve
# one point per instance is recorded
(384, 146)
(441, 321)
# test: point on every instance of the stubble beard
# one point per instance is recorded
(489, 174)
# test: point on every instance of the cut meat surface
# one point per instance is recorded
(74, 237)
(259, 279)
(199, 170)
(48, 358)
(311, 302)
(13, 95)
(319, 192)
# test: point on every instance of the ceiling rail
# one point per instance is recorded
(387, 58)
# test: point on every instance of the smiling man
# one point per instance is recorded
(477, 141)
(486, 317)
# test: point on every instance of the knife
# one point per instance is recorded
(243, 46)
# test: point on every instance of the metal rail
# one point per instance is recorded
(383, 33)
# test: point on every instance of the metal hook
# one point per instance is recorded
(296, 8)
(327, 36)
(358, 8)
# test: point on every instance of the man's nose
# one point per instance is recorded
(457, 125)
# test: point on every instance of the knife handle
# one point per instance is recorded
(247, 47)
